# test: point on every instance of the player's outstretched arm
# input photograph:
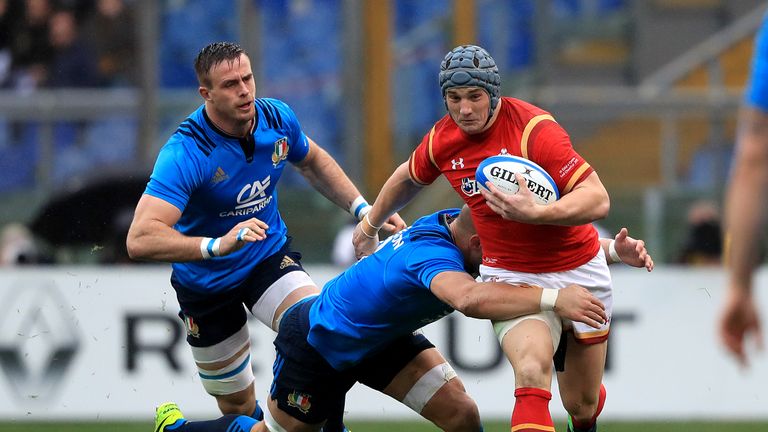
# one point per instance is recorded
(500, 301)
(626, 249)
(745, 216)
(152, 237)
(397, 191)
(324, 174)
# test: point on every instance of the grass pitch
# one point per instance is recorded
(376, 426)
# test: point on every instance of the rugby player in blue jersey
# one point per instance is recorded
(745, 210)
(211, 209)
(362, 328)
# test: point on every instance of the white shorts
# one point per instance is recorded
(593, 275)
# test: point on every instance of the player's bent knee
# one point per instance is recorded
(581, 408)
(531, 372)
(234, 377)
(426, 387)
(452, 409)
(463, 416)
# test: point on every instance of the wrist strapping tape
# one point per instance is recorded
(359, 208)
(612, 252)
(548, 299)
(209, 247)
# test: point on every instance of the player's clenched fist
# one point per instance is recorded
(364, 243)
(251, 230)
(576, 303)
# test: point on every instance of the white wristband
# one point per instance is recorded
(209, 247)
(612, 252)
(548, 299)
(359, 207)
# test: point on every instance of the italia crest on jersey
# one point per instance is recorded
(281, 151)
(300, 401)
(469, 186)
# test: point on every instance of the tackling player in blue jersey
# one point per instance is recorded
(362, 328)
(211, 209)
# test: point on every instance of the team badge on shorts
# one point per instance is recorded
(287, 262)
(281, 151)
(192, 328)
(300, 401)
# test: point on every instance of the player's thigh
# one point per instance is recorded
(275, 419)
(430, 386)
(583, 374)
(305, 387)
(218, 336)
(415, 370)
(275, 284)
(529, 339)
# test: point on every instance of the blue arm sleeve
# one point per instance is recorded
(757, 88)
(175, 176)
(431, 258)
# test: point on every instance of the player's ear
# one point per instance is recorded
(474, 243)
(204, 93)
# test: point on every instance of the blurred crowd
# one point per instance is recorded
(66, 43)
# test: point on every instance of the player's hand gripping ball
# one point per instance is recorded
(500, 170)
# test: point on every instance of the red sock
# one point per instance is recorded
(531, 413)
(600, 403)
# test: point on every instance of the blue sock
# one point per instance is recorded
(258, 413)
(227, 423)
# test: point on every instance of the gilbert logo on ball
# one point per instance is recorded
(500, 170)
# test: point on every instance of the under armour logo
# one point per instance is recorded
(457, 163)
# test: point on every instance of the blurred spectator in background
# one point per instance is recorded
(702, 244)
(30, 46)
(343, 254)
(745, 207)
(5, 42)
(17, 246)
(72, 64)
(110, 30)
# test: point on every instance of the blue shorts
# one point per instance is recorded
(308, 388)
(212, 318)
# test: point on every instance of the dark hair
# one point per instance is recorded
(212, 55)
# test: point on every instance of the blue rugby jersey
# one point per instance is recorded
(385, 295)
(218, 180)
(757, 89)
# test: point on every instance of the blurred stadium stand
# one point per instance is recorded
(646, 98)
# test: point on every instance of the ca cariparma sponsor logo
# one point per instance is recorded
(281, 151)
(469, 186)
(252, 198)
(38, 340)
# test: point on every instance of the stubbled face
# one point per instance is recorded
(230, 96)
(469, 107)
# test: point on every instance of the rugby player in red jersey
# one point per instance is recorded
(523, 242)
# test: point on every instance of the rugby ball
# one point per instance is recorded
(500, 170)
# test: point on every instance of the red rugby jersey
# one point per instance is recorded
(525, 130)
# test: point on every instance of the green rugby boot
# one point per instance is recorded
(168, 415)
